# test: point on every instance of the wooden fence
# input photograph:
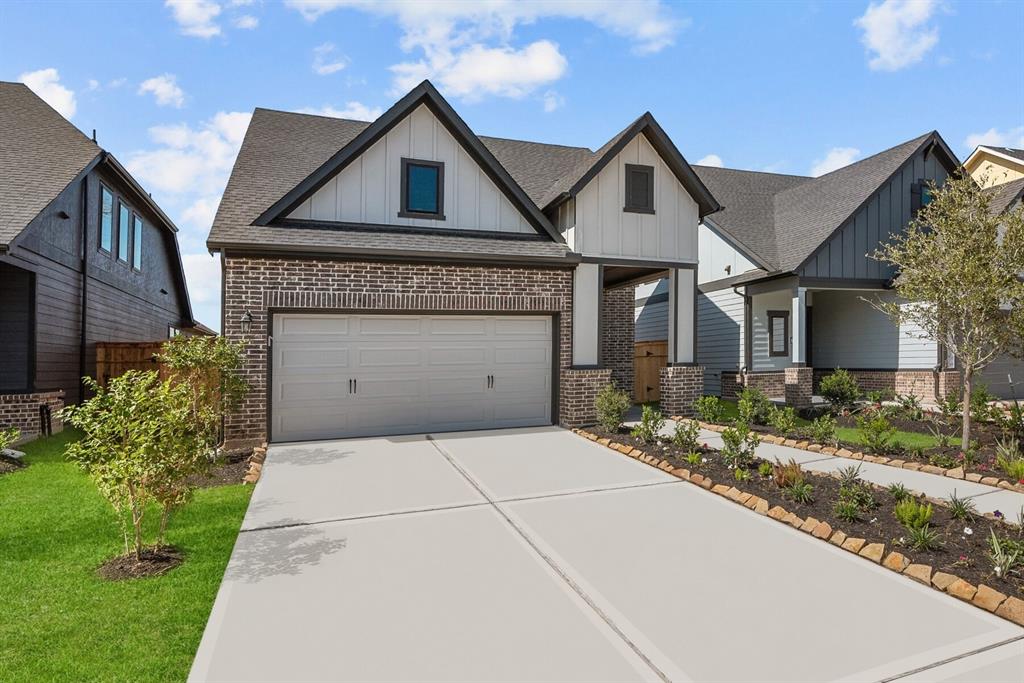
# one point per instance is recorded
(113, 359)
(649, 357)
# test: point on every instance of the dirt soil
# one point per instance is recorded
(963, 554)
(10, 465)
(153, 562)
(230, 468)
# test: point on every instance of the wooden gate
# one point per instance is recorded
(113, 359)
(649, 357)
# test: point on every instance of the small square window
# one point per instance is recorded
(639, 189)
(778, 333)
(422, 189)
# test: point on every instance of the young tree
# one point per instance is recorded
(958, 268)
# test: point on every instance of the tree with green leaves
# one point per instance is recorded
(958, 267)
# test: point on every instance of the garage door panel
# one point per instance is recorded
(539, 328)
(522, 410)
(312, 423)
(305, 327)
(534, 383)
(390, 326)
(521, 354)
(392, 388)
(454, 385)
(464, 355)
(459, 326)
(458, 414)
(389, 356)
(314, 390)
(315, 357)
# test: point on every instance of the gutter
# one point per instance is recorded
(83, 221)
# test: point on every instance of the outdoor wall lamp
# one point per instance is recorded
(246, 322)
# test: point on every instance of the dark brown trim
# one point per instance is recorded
(844, 283)
(638, 263)
(748, 331)
(648, 206)
(383, 229)
(785, 336)
(600, 315)
(404, 211)
(555, 316)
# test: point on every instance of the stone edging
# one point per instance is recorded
(803, 444)
(256, 460)
(983, 597)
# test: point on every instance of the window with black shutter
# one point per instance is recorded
(639, 189)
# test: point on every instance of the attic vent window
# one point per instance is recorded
(422, 189)
(639, 189)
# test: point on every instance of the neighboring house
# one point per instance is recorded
(992, 166)
(86, 256)
(407, 276)
(784, 274)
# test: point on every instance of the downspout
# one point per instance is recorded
(748, 311)
(83, 221)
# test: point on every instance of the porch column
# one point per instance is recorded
(682, 317)
(799, 328)
(799, 377)
(586, 307)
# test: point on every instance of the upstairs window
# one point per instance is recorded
(422, 189)
(124, 216)
(778, 333)
(920, 196)
(136, 243)
(639, 189)
(106, 220)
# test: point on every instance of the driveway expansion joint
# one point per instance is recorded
(954, 658)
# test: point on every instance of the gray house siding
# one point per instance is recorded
(651, 314)
(845, 254)
(720, 328)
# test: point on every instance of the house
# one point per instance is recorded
(86, 256)
(992, 166)
(785, 278)
(408, 275)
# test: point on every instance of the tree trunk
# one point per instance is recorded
(164, 515)
(965, 438)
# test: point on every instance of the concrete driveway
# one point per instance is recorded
(532, 554)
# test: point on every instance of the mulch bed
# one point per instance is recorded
(960, 554)
(230, 468)
(10, 465)
(152, 562)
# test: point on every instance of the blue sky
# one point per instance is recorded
(791, 87)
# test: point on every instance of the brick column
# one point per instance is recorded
(948, 383)
(579, 389)
(22, 411)
(618, 324)
(799, 387)
(681, 386)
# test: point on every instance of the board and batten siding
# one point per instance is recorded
(848, 332)
(368, 190)
(719, 336)
(845, 254)
(716, 254)
(761, 359)
(651, 314)
(602, 228)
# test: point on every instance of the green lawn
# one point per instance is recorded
(909, 440)
(60, 622)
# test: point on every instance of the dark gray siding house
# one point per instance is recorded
(86, 256)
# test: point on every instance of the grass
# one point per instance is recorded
(61, 622)
(908, 440)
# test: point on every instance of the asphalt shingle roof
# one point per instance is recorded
(1008, 151)
(1003, 196)
(41, 152)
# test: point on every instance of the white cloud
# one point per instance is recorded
(1011, 137)
(552, 101)
(117, 82)
(202, 272)
(837, 157)
(711, 160)
(324, 61)
(93, 84)
(196, 17)
(246, 22)
(165, 89)
(467, 47)
(201, 212)
(352, 110)
(897, 33)
(46, 84)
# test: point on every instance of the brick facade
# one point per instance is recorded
(773, 384)
(260, 284)
(927, 385)
(618, 323)
(681, 386)
(579, 389)
(22, 411)
(799, 387)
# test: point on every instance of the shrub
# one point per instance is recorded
(1009, 458)
(943, 460)
(740, 474)
(687, 435)
(1004, 557)
(612, 406)
(840, 389)
(785, 475)
(754, 407)
(8, 435)
(849, 475)
(912, 514)
(944, 440)
(898, 491)
(910, 406)
(859, 495)
(961, 508)
(694, 458)
(782, 420)
(949, 406)
(846, 510)
(823, 430)
(876, 432)
(980, 399)
(879, 395)
(923, 538)
(799, 492)
(738, 444)
(710, 409)
(649, 428)
(765, 469)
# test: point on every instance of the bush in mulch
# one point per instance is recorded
(10, 464)
(152, 561)
(858, 508)
(230, 468)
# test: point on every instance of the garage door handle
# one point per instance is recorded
(355, 386)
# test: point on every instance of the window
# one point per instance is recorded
(124, 216)
(172, 331)
(106, 220)
(136, 243)
(639, 189)
(920, 196)
(422, 189)
(778, 333)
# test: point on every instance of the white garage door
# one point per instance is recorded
(363, 375)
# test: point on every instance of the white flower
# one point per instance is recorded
(968, 531)
(703, 460)
(873, 520)
(902, 540)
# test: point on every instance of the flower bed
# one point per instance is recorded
(958, 564)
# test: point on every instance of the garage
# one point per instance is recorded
(344, 375)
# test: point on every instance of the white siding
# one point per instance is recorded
(781, 300)
(716, 254)
(719, 336)
(602, 228)
(368, 190)
(651, 317)
(850, 333)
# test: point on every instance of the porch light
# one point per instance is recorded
(246, 322)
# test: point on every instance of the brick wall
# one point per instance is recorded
(618, 308)
(22, 411)
(579, 389)
(925, 384)
(799, 386)
(681, 386)
(773, 384)
(258, 284)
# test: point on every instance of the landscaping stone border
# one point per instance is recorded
(981, 596)
(803, 444)
(256, 460)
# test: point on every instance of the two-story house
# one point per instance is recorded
(408, 275)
